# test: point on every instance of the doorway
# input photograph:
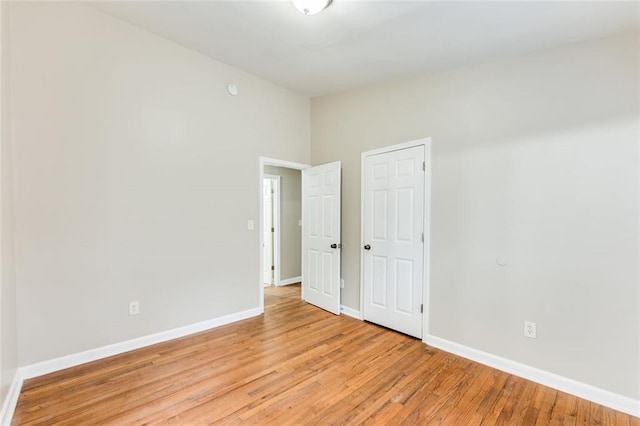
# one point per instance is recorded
(280, 228)
(317, 221)
(395, 236)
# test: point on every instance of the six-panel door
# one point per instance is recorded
(321, 236)
(393, 236)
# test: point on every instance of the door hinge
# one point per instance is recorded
(423, 237)
(273, 191)
(421, 308)
(424, 166)
(273, 268)
(273, 229)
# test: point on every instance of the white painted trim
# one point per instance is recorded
(46, 367)
(581, 390)
(289, 281)
(11, 400)
(426, 267)
(362, 178)
(265, 161)
(350, 312)
(302, 243)
(398, 147)
(426, 287)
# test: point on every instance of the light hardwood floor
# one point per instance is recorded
(297, 364)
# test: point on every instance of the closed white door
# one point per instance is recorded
(321, 236)
(393, 246)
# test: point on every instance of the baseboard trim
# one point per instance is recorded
(350, 312)
(289, 281)
(573, 387)
(11, 400)
(46, 367)
(582, 390)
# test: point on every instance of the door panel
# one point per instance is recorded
(393, 219)
(321, 229)
(379, 278)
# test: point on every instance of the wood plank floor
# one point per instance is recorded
(297, 364)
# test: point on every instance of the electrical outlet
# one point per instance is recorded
(134, 308)
(530, 329)
(341, 282)
(250, 225)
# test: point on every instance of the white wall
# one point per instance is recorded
(135, 175)
(535, 158)
(8, 337)
(290, 214)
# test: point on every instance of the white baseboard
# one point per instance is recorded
(350, 312)
(290, 281)
(11, 400)
(582, 390)
(46, 367)
(50, 366)
(573, 387)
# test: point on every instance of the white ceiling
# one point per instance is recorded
(355, 43)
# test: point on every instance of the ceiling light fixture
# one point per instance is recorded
(311, 7)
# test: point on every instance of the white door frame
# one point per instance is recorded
(426, 142)
(275, 200)
(265, 161)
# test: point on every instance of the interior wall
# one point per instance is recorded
(135, 176)
(8, 336)
(290, 215)
(535, 159)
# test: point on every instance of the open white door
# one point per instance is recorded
(321, 236)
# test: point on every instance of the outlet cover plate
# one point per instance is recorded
(134, 308)
(530, 329)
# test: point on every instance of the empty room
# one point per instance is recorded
(320, 212)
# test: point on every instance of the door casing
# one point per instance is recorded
(265, 161)
(426, 142)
